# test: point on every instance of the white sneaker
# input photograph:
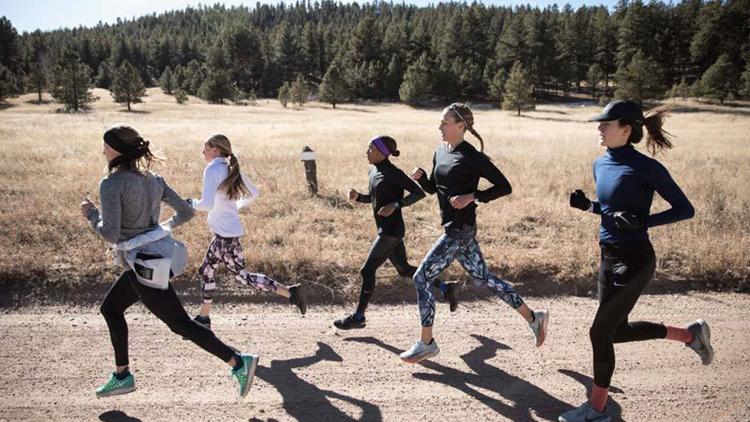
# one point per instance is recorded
(701, 344)
(539, 326)
(584, 413)
(420, 351)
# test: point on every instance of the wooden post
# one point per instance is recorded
(308, 159)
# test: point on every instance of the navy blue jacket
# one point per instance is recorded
(626, 181)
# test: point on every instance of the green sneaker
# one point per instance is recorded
(246, 374)
(114, 386)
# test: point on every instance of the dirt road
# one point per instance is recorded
(52, 358)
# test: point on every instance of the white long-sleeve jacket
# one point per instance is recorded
(223, 214)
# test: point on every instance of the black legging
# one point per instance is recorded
(383, 248)
(624, 273)
(165, 305)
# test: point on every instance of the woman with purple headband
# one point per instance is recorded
(386, 194)
(456, 169)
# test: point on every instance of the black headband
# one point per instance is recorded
(117, 144)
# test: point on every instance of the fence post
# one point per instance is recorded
(308, 159)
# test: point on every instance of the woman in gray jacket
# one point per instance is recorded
(131, 197)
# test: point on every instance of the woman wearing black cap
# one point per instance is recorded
(386, 194)
(625, 184)
(130, 203)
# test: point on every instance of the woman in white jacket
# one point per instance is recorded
(225, 191)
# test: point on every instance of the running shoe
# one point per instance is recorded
(539, 326)
(701, 344)
(246, 374)
(298, 297)
(420, 351)
(116, 386)
(350, 321)
(584, 413)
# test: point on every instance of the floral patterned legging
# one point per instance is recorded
(229, 251)
(464, 247)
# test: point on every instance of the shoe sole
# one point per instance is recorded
(544, 329)
(354, 327)
(418, 359)
(251, 375)
(706, 334)
(117, 392)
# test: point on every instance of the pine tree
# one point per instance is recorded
(217, 87)
(285, 94)
(104, 78)
(594, 76)
(681, 90)
(519, 94)
(7, 83)
(70, 82)
(38, 80)
(127, 86)
(745, 86)
(180, 96)
(416, 87)
(334, 88)
(497, 86)
(720, 79)
(299, 90)
(167, 81)
(639, 80)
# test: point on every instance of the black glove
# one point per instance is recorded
(578, 200)
(627, 221)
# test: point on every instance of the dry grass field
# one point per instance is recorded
(50, 160)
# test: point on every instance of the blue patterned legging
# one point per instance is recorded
(229, 251)
(464, 247)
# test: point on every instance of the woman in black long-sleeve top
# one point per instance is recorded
(457, 168)
(386, 194)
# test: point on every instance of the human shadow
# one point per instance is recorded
(306, 402)
(117, 416)
(613, 408)
(526, 398)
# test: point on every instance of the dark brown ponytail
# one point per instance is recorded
(390, 143)
(657, 139)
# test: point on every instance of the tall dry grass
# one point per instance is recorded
(49, 161)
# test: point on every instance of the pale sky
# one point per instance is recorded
(29, 15)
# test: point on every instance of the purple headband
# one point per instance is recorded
(380, 145)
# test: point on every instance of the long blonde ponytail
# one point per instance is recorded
(233, 186)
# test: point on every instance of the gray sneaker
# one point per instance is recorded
(701, 344)
(584, 413)
(420, 351)
(539, 326)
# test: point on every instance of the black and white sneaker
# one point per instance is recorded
(350, 321)
(298, 297)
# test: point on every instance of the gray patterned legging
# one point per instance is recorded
(229, 251)
(462, 245)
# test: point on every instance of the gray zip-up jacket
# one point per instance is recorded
(131, 204)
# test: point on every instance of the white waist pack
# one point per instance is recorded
(155, 257)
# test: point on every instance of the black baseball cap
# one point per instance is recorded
(620, 109)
